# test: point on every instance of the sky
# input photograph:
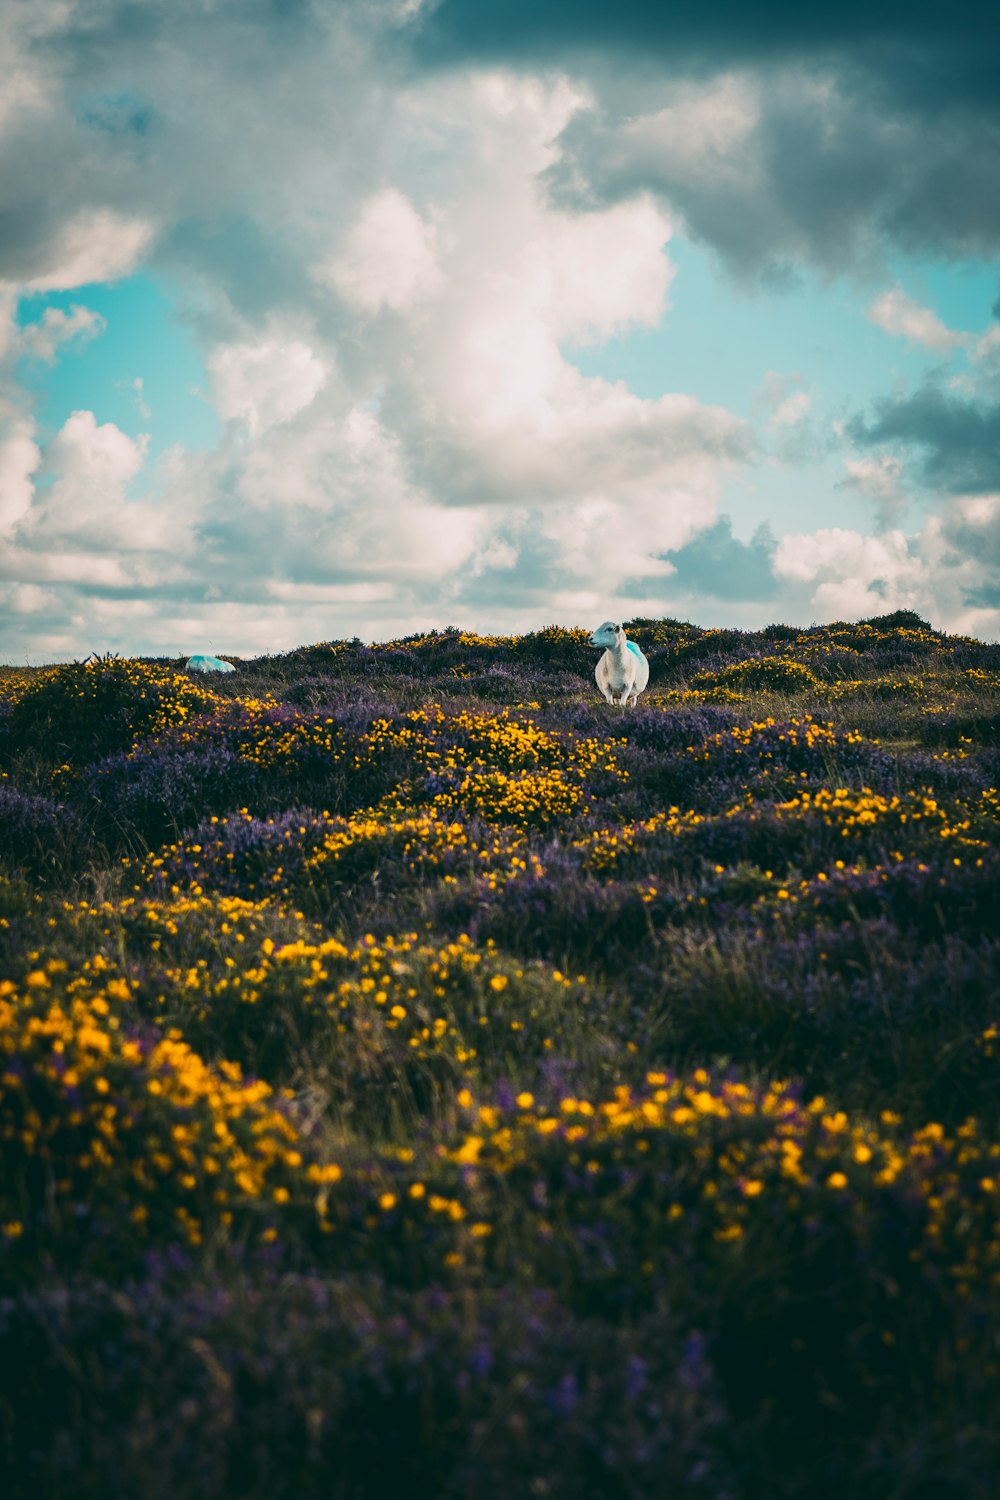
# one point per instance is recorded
(321, 320)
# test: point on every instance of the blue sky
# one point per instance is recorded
(318, 324)
(144, 337)
(711, 340)
(714, 341)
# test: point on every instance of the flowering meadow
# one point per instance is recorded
(421, 1078)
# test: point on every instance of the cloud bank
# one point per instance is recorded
(390, 228)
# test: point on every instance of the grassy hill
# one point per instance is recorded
(418, 1077)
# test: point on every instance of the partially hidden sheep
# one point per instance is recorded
(622, 670)
(202, 662)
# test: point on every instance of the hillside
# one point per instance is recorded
(418, 1077)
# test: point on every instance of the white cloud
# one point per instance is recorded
(19, 460)
(497, 553)
(947, 571)
(8, 324)
(68, 566)
(897, 314)
(784, 402)
(707, 128)
(987, 346)
(98, 244)
(589, 276)
(265, 383)
(879, 479)
(806, 556)
(375, 470)
(854, 574)
(136, 387)
(980, 511)
(792, 410)
(465, 402)
(22, 86)
(332, 500)
(86, 509)
(486, 400)
(985, 356)
(422, 436)
(42, 340)
(389, 257)
(93, 457)
(329, 593)
(29, 599)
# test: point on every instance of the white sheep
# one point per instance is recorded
(202, 662)
(622, 669)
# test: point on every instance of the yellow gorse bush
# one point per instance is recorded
(93, 1109)
(527, 800)
(421, 841)
(898, 819)
(851, 812)
(104, 704)
(434, 638)
(328, 851)
(428, 740)
(398, 1001)
(436, 741)
(777, 672)
(722, 1160)
(807, 732)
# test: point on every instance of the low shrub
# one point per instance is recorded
(83, 710)
(36, 833)
(761, 674)
(246, 1384)
(113, 1135)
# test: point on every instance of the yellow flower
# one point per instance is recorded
(468, 1152)
(330, 1173)
(387, 1201)
(836, 1180)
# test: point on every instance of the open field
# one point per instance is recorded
(420, 1078)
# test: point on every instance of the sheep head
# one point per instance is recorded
(608, 635)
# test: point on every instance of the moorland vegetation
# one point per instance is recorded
(418, 1077)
